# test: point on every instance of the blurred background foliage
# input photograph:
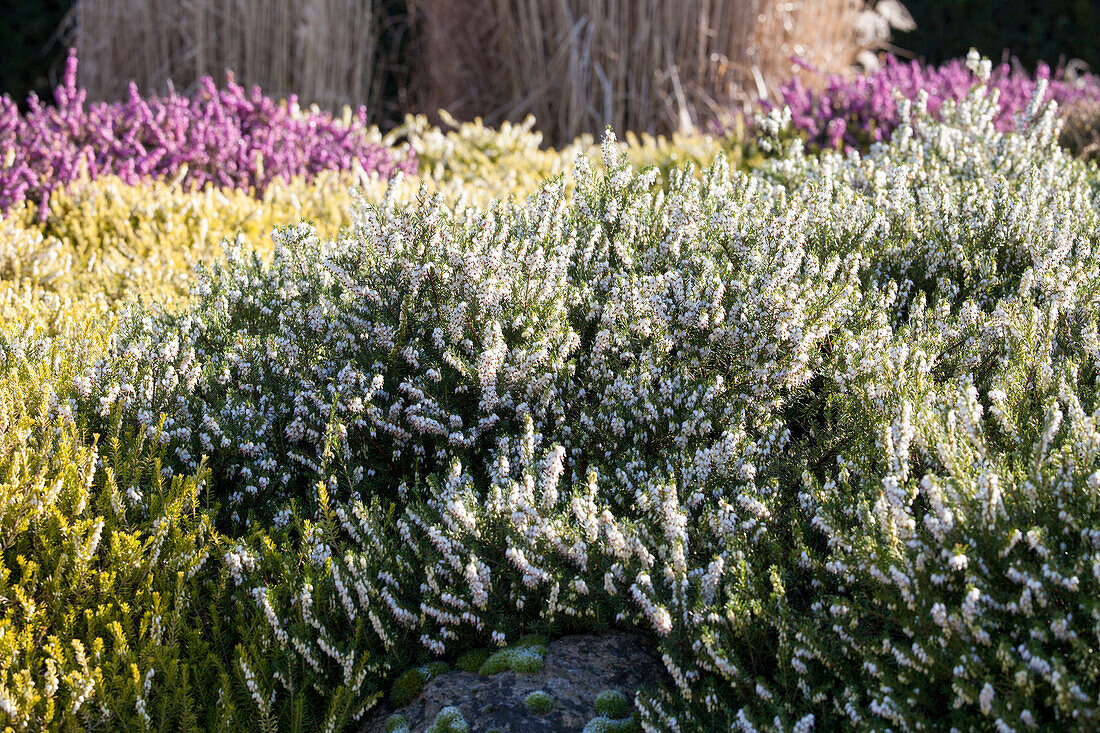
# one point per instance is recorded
(33, 52)
(1029, 30)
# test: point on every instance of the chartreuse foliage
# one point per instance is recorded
(119, 610)
(103, 589)
(483, 163)
(827, 431)
(117, 239)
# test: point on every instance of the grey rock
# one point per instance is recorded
(577, 668)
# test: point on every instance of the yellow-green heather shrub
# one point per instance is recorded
(24, 253)
(99, 553)
(486, 163)
(121, 611)
(117, 239)
(694, 148)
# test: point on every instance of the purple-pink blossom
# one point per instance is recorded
(853, 112)
(227, 137)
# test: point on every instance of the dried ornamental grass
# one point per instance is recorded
(1081, 131)
(325, 52)
(653, 66)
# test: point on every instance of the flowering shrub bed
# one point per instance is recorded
(853, 112)
(106, 240)
(231, 137)
(826, 430)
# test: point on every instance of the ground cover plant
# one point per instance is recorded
(826, 429)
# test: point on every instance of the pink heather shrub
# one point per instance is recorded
(227, 137)
(855, 112)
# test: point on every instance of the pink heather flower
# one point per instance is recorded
(852, 113)
(231, 137)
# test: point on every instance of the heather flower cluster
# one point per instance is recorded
(853, 112)
(828, 432)
(230, 137)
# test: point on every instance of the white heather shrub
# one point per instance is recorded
(942, 569)
(827, 432)
(619, 321)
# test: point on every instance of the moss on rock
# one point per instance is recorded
(397, 724)
(411, 682)
(406, 687)
(449, 720)
(472, 660)
(522, 659)
(603, 724)
(538, 702)
(612, 704)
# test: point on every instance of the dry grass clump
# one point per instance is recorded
(646, 65)
(325, 51)
(653, 66)
(1081, 129)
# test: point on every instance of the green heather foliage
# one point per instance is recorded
(827, 431)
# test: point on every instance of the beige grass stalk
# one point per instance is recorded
(646, 65)
(326, 51)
